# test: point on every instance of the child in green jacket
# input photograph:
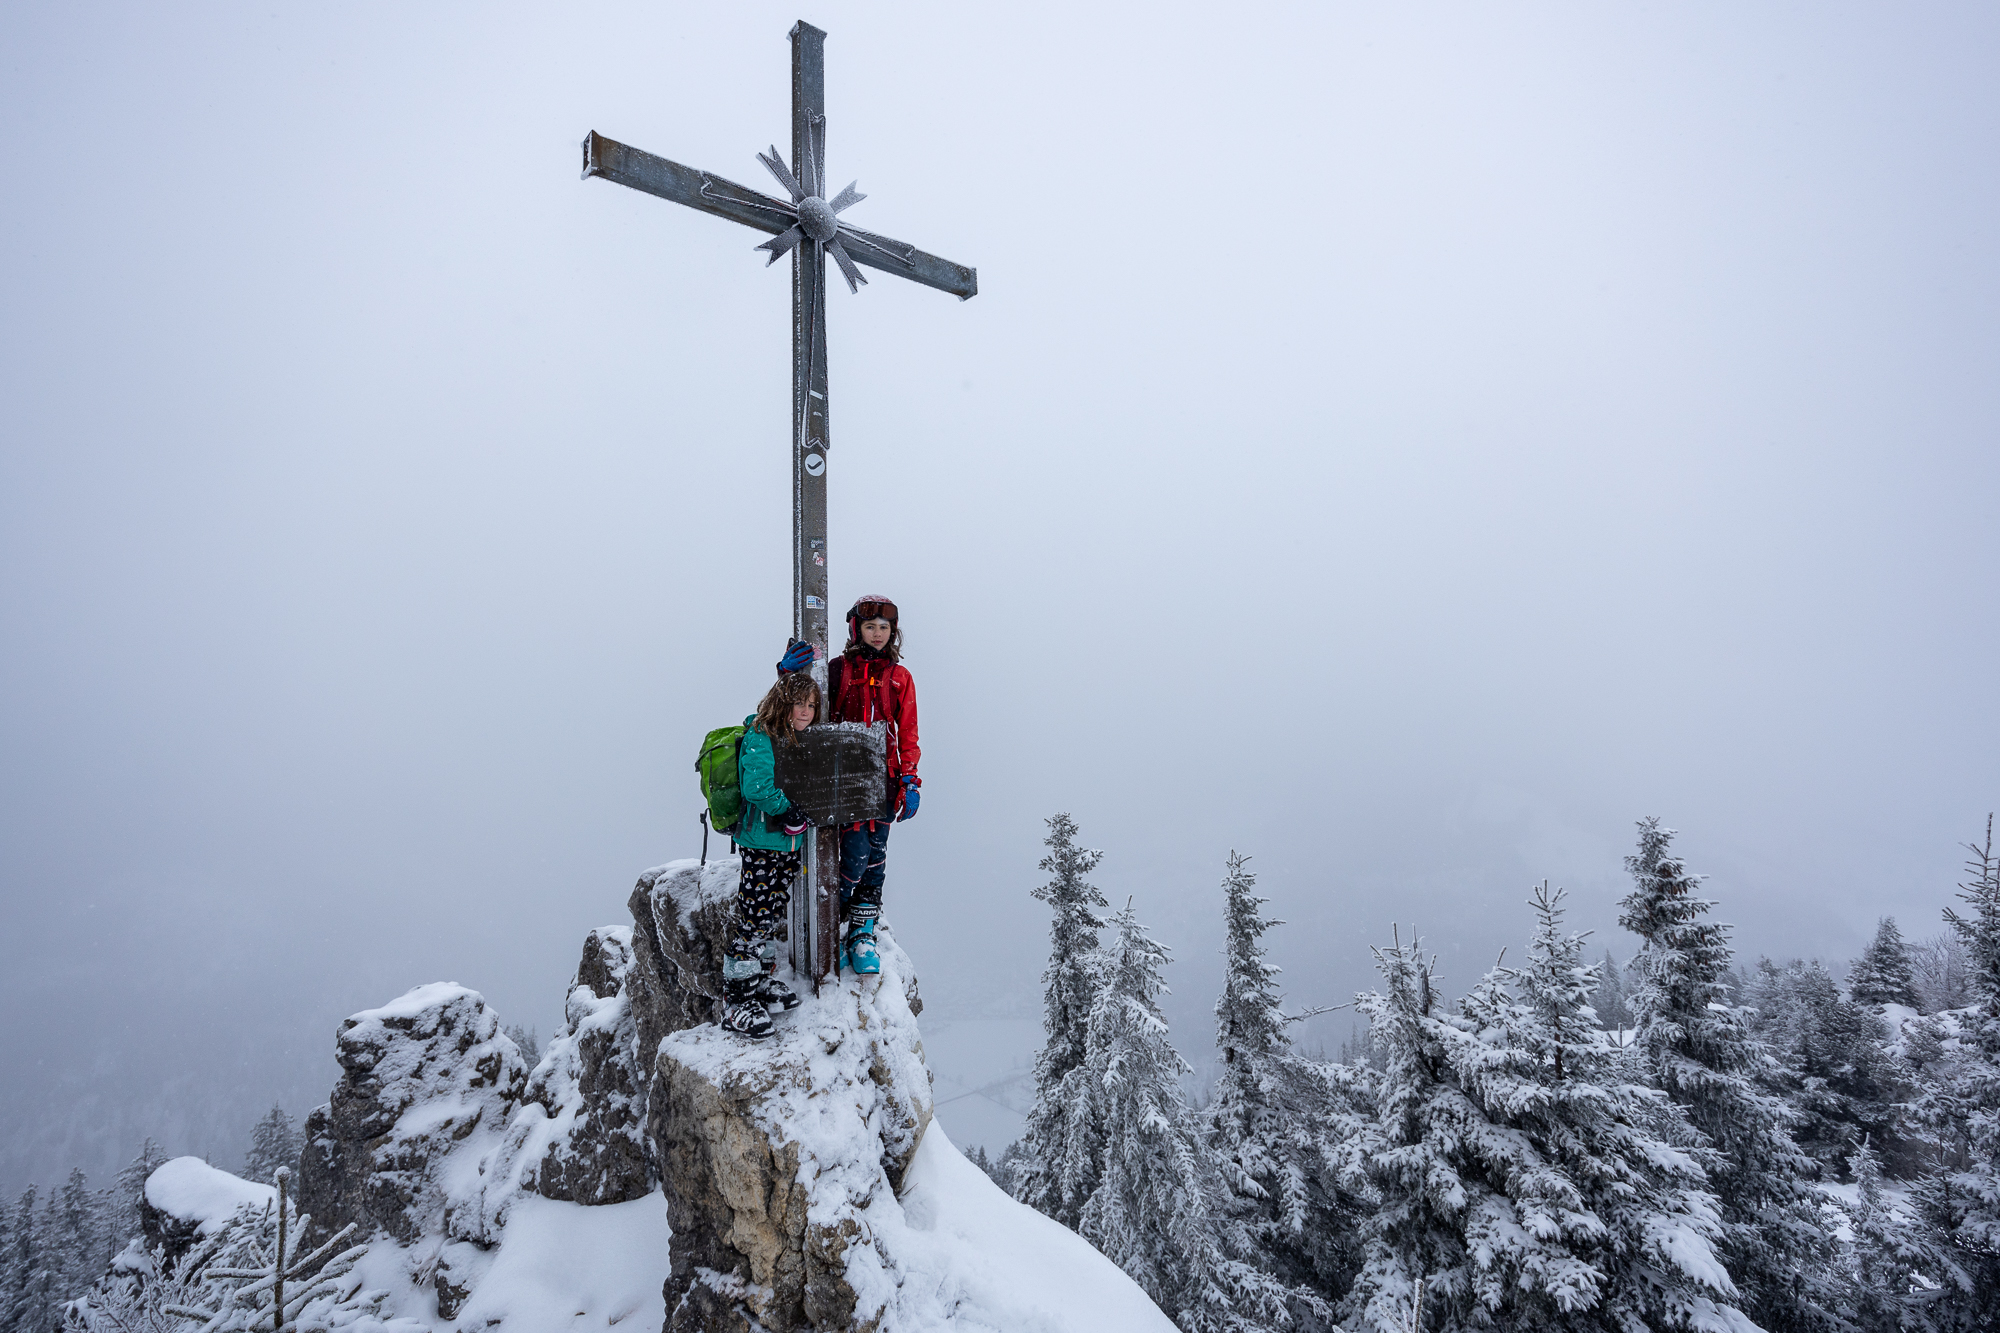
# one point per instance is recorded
(770, 838)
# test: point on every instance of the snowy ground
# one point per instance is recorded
(559, 1266)
(1009, 1267)
(983, 1262)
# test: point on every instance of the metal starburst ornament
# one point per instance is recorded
(816, 218)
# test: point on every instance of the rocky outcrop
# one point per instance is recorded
(591, 1088)
(680, 923)
(772, 1153)
(428, 1084)
(186, 1199)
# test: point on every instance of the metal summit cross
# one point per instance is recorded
(809, 227)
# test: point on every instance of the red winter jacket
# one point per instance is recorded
(869, 690)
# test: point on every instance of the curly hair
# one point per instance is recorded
(774, 714)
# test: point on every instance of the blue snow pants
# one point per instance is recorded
(864, 853)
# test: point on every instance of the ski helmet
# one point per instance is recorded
(870, 607)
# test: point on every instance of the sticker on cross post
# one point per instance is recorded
(815, 603)
(815, 464)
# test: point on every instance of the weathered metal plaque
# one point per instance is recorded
(838, 772)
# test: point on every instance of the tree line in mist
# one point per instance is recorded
(1678, 1143)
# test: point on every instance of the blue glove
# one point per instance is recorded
(798, 657)
(912, 797)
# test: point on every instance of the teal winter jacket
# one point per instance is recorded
(756, 773)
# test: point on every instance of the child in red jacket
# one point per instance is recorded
(868, 683)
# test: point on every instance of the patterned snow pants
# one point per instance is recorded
(763, 898)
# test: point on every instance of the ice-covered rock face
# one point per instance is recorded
(428, 1083)
(771, 1152)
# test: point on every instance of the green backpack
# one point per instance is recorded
(717, 768)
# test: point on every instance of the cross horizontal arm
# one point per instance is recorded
(906, 261)
(684, 185)
(710, 193)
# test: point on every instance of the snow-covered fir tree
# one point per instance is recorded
(1055, 1169)
(1523, 1177)
(1698, 1049)
(1979, 929)
(1600, 1170)
(1960, 1105)
(275, 1142)
(1275, 1115)
(1832, 1065)
(528, 1040)
(1884, 974)
(1413, 1242)
(22, 1268)
(1904, 1275)
(1153, 1208)
(1943, 974)
(32, 1282)
(1613, 1014)
(82, 1243)
(130, 1189)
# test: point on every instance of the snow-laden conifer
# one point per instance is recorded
(1153, 1211)
(275, 1142)
(28, 1276)
(81, 1244)
(1960, 1105)
(1699, 1050)
(1414, 1242)
(1942, 973)
(1832, 1064)
(1613, 1014)
(34, 1307)
(1521, 1178)
(1055, 1169)
(1884, 973)
(1275, 1115)
(1598, 1170)
(130, 1190)
(1905, 1280)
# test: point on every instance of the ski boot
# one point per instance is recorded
(771, 991)
(857, 950)
(743, 1010)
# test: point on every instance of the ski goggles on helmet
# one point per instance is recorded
(873, 610)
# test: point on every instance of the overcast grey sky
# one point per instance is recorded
(1407, 443)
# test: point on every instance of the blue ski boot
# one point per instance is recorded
(858, 949)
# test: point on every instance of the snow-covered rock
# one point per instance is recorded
(186, 1200)
(779, 1157)
(680, 923)
(588, 1144)
(428, 1084)
(653, 1170)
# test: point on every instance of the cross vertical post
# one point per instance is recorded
(809, 406)
(808, 224)
(815, 907)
